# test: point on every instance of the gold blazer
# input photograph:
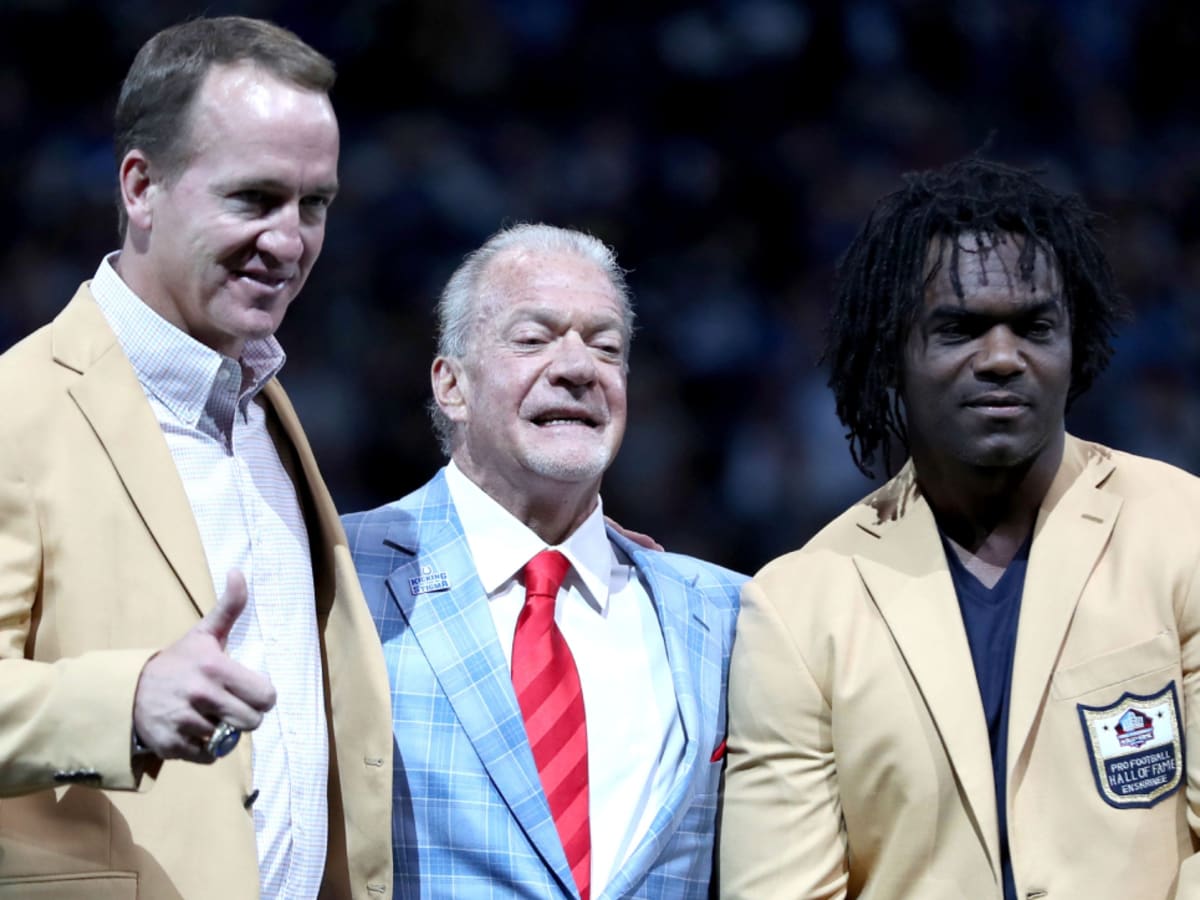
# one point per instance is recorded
(101, 565)
(859, 759)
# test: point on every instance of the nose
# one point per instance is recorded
(999, 355)
(281, 239)
(573, 362)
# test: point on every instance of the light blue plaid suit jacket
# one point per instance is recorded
(470, 819)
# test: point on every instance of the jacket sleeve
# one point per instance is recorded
(66, 720)
(780, 831)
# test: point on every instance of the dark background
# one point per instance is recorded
(728, 150)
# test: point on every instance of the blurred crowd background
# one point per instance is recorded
(728, 150)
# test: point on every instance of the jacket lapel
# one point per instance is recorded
(319, 514)
(685, 631)
(1073, 527)
(110, 397)
(910, 583)
(454, 629)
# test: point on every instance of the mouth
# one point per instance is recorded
(271, 281)
(554, 418)
(998, 404)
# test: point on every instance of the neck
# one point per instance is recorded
(131, 267)
(988, 512)
(552, 510)
(555, 519)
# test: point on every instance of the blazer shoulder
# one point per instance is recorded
(27, 370)
(40, 366)
(32, 348)
(401, 521)
(702, 572)
(1155, 496)
(832, 549)
(1134, 476)
(369, 519)
(720, 586)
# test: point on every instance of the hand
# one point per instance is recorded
(636, 536)
(185, 690)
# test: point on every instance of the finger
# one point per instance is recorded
(251, 688)
(185, 739)
(646, 541)
(196, 750)
(190, 751)
(220, 619)
(236, 712)
(637, 537)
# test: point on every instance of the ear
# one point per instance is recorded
(137, 189)
(450, 386)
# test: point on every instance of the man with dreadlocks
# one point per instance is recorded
(981, 681)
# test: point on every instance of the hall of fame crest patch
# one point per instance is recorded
(1136, 747)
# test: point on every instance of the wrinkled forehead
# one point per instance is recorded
(550, 278)
(972, 259)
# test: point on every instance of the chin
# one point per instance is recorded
(257, 328)
(1004, 456)
(571, 468)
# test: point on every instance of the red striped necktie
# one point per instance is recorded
(551, 699)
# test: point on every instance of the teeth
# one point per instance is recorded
(264, 280)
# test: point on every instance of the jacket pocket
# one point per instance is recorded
(77, 886)
(1156, 654)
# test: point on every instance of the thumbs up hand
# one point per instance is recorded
(186, 690)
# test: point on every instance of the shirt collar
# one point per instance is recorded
(177, 369)
(501, 544)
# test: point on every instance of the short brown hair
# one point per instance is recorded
(154, 108)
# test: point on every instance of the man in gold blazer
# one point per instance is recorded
(982, 681)
(150, 464)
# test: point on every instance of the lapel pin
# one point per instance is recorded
(428, 582)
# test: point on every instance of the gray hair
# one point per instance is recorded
(470, 282)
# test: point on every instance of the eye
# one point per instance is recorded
(1039, 328)
(952, 331)
(251, 199)
(529, 337)
(315, 205)
(608, 342)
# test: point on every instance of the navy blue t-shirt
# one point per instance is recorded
(990, 617)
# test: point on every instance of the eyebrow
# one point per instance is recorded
(275, 186)
(549, 314)
(1038, 307)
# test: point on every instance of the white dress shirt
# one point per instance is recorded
(605, 614)
(249, 518)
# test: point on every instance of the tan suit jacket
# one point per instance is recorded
(101, 565)
(859, 761)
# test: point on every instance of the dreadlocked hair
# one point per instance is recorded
(882, 278)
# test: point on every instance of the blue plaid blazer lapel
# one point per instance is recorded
(454, 629)
(688, 636)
